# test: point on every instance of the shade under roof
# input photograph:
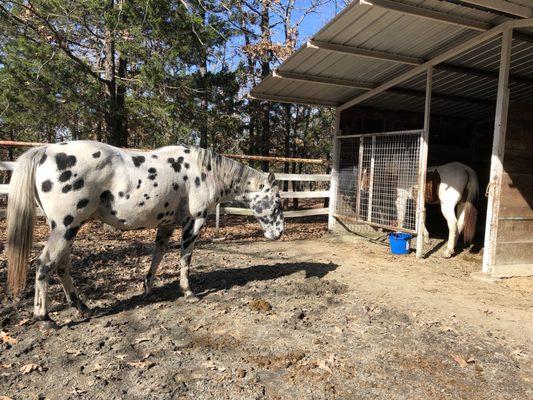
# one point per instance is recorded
(373, 41)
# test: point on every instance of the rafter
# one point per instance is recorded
(324, 80)
(294, 100)
(501, 6)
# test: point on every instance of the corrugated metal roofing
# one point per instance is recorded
(376, 25)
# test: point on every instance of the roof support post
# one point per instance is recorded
(498, 147)
(422, 169)
(334, 182)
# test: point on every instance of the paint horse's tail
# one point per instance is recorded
(469, 213)
(20, 218)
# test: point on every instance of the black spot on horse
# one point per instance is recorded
(127, 197)
(197, 181)
(152, 170)
(203, 176)
(209, 167)
(152, 177)
(175, 186)
(43, 159)
(180, 159)
(53, 225)
(65, 176)
(68, 220)
(82, 203)
(187, 151)
(141, 204)
(187, 165)
(166, 204)
(139, 184)
(71, 232)
(113, 212)
(77, 185)
(63, 161)
(155, 156)
(46, 186)
(96, 154)
(63, 143)
(185, 177)
(160, 215)
(120, 194)
(122, 221)
(155, 184)
(138, 160)
(66, 188)
(106, 196)
(146, 196)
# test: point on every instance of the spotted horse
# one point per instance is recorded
(173, 186)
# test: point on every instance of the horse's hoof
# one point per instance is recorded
(191, 298)
(85, 312)
(46, 323)
(446, 255)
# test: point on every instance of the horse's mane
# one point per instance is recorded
(228, 169)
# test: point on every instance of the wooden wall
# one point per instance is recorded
(514, 247)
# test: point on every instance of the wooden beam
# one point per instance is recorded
(293, 100)
(498, 150)
(357, 51)
(323, 80)
(502, 6)
(422, 168)
(334, 182)
(429, 14)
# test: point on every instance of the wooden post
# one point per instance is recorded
(371, 179)
(359, 177)
(217, 218)
(498, 148)
(334, 183)
(422, 169)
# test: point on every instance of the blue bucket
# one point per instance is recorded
(399, 242)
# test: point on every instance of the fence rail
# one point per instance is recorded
(229, 210)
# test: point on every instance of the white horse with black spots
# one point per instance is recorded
(76, 181)
(456, 188)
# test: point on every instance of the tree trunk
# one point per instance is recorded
(265, 70)
(116, 107)
(204, 105)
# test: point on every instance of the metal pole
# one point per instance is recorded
(422, 169)
(359, 177)
(217, 218)
(498, 147)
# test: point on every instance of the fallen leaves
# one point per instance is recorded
(461, 361)
(7, 339)
(29, 368)
(260, 305)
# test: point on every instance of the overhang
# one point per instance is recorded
(376, 52)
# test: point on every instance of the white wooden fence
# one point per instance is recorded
(221, 209)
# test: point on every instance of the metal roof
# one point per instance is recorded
(373, 43)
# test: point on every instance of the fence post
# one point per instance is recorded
(217, 218)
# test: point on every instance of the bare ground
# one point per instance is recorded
(310, 317)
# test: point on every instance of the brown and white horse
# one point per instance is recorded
(455, 187)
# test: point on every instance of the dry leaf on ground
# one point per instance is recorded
(459, 360)
(28, 368)
(6, 338)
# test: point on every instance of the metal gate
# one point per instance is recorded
(386, 177)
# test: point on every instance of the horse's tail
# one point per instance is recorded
(20, 218)
(470, 211)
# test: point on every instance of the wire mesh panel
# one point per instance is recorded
(380, 188)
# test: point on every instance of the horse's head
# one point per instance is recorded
(266, 205)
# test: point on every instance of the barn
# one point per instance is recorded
(417, 83)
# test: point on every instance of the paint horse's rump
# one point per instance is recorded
(165, 188)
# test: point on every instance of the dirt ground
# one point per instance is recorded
(314, 316)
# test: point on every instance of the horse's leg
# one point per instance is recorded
(161, 241)
(401, 205)
(56, 249)
(461, 217)
(190, 234)
(448, 210)
(71, 293)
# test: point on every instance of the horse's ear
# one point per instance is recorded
(271, 177)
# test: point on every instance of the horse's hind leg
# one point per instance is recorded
(190, 234)
(56, 249)
(71, 293)
(448, 210)
(162, 237)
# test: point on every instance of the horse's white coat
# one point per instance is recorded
(164, 188)
(455, 179)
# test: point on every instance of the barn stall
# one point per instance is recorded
(417, 83)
